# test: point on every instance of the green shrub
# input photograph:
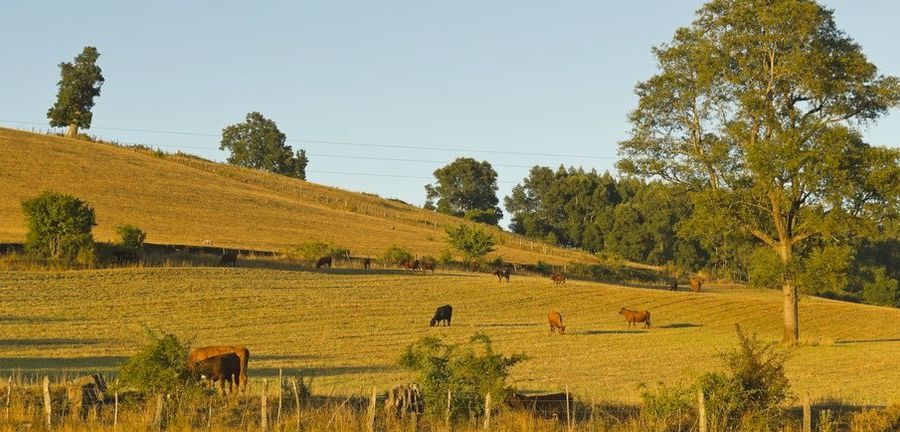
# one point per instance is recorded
(311, 252)
(474, 242)
(752, 394)
(880, 289)
(132, 238)
(159, 368)
(543, 268)
(469, 370)
(669, 409)
(764, 268)
(446, 257)
(59, 226)
(489, 217)
(395, 255)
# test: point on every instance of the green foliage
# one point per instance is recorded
(132, 238)
(669, 408)
(474, 242)
(257, 143)
(59, 226)
(159, 368)
(79, 84)
(881, 289)
(765, 269)
(310, 252)
(751, 396)
(825, 270)
(463, 186)
(489, 216)
(446, 257)
(469, 370)
(395, 255)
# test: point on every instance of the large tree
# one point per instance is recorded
(79, 84)
(468, 188)
(756, 109)
(257, 143)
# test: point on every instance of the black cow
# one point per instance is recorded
(443, 313)
(221, 368)
(502, 273)
(324, 262)
(367, 262)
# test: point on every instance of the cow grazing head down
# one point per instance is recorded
(220, 368)
(556, 324)
(442, 314)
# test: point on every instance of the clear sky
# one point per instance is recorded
(516, 83)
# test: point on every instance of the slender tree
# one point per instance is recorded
(79, 84)
(756, 109)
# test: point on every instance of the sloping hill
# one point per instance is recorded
(179, 199)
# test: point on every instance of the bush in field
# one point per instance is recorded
(446, 257)
(312, 251)
(469, 370)
(59, 227)
(669, 408)
(474, 242)
(395, 255)
(752, 395)
(132, 238)
(876, 420)
(159, 368)
(880, 289)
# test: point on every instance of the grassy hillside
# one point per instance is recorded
(184, 200)
(348, 328)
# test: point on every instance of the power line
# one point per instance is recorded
(345, 143)
(385, 175)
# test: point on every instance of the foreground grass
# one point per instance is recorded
(346, 328)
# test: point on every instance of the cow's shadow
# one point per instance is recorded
(679, 325)
(324, 371)
(858, 341)
(608, 332)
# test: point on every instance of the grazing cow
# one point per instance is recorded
(442, 314)
(221, 368)
(673, 285)
(558, 278)
(502, 273)
(428, 265)
(411, 264)
(202, 353)
(634, 316)
(229, 257)
(695, 284)
(556, 322)
(367, 262)
(324, 262)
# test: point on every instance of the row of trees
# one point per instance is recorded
(255, 143)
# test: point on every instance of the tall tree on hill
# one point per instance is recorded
(756, 110)
(79, 84)
(466, 188)
(257, 143)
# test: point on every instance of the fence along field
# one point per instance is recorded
(347, 329)
(178, 199)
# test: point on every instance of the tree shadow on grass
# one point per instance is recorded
(62, 363)
(679, 325)
(606, 332)
(320, 371)
(858, 341)
(10, 319)
(52, 342)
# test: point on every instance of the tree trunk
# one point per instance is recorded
(791, 312)
(73, 130)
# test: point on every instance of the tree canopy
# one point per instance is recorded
(79, 84)
(59, 225)
(257, 143)
(468, 188)
(755, 110)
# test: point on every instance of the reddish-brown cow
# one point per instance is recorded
(556, 323)
(633, 316)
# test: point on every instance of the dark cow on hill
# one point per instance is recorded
(502, 273)
(199, 354)
(632, 317)
(428, 265)
(367, 262)
(442, 314)
(558, 278)
(696, 284)
(324, 262)
(556, 323)
(673, 285)
(411, 264)
(229, 257)
(221, 368)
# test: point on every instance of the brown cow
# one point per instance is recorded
(428, 265)
(502, 273)
(411, 264)
(558, 278)
(673, 285)
(202, 353)
(556, 322)
(695, 284)
(221, 368)
(633, 316)
(229, 258)
(324, 262)
(367, 262)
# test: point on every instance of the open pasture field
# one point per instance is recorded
(347, 328)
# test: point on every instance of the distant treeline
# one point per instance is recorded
(653, 222)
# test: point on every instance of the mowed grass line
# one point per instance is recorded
(348, 330)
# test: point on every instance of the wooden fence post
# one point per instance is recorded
(158, 413)
(487, 411)
(448, 409)
(116, 409)
(701, 410)
(296, 400)
(263, 410)
(9, 384)
(372, 402)
(280, 387)
(568, 414)
(47, 408)
(807, 414)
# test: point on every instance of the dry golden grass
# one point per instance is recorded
(183, 200)
(347, 328)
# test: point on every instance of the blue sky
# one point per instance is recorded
(521, 82)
